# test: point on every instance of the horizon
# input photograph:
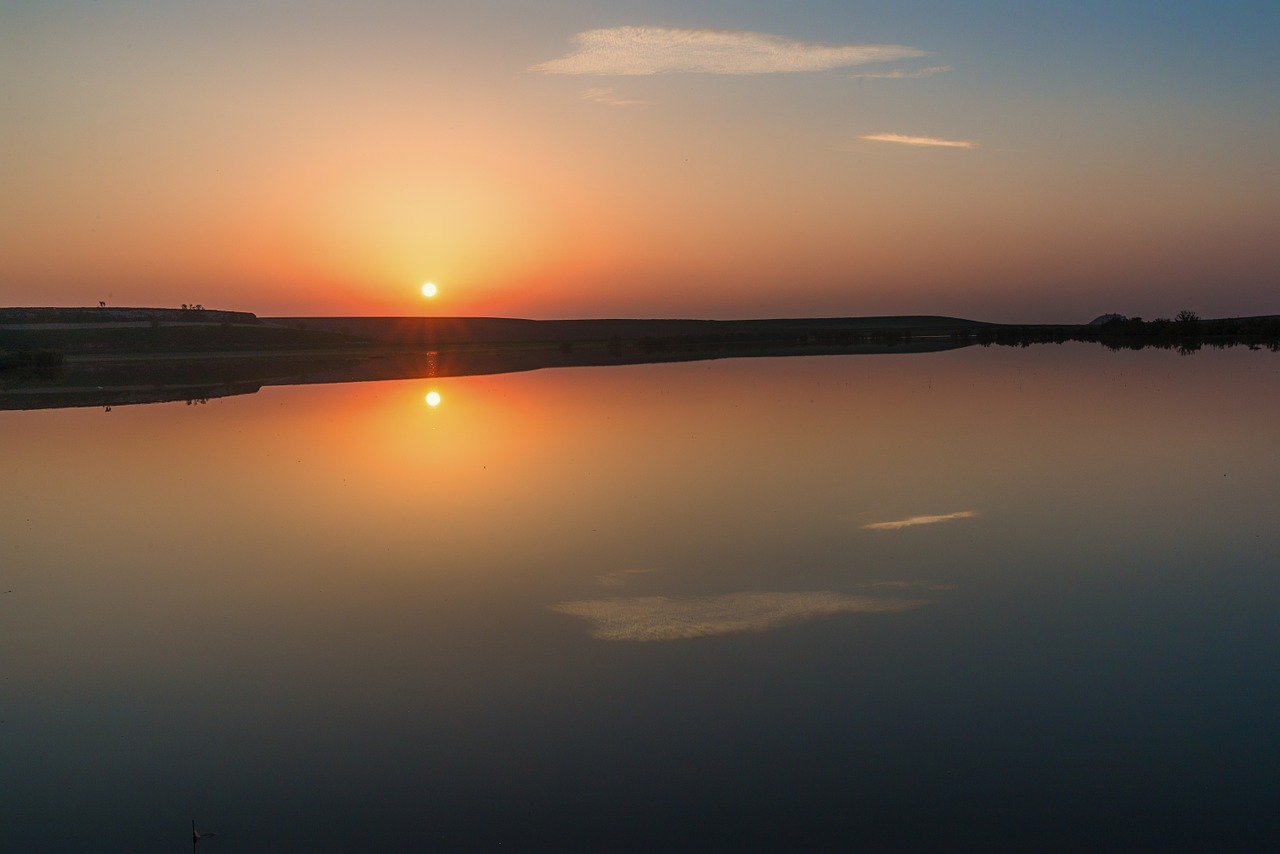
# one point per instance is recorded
(222, 310)
(583, 161)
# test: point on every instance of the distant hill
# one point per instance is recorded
(97, 316)
(114, 331)
(198, 333)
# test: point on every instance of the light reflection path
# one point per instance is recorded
(661, 618)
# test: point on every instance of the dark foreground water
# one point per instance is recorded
(985, 599)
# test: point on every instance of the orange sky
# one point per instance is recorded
(324, 160)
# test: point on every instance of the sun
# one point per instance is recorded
(429, 290)
(433, 399)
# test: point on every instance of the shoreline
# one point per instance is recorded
(55, 358)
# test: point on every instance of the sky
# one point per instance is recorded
(1014, 162)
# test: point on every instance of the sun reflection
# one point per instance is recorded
(433, 399)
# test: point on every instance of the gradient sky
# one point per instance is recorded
(563, 158)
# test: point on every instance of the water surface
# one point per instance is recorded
(974, 599)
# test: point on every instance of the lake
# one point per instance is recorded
(990, 598)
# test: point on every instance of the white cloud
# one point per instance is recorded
(902, 74)
(919, 520)
(919, 140)
(654, 50)
(660, 618)
(609, 95)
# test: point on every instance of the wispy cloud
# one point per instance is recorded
(919, 520)
(919, 140)
(609, 95)
(655, 50)
(660, 618)
(902, 74)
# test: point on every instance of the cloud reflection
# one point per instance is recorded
(619, 577)
(919, 520)
(661, 618)
(908, 585)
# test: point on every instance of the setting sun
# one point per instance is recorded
(429, 289)
(433, 398)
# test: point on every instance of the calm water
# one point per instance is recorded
(978, 599)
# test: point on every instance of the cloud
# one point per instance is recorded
(919, 520)
(660, 618)
(919, 140)
(608, 95)
(901, 74)
(655, 50)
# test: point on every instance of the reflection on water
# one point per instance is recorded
(919, 520)
(619, 577)
(337, 618)
(659, 618)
